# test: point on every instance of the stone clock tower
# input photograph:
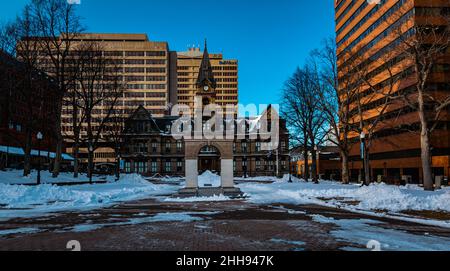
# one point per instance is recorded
(198, 153)
(206, 84)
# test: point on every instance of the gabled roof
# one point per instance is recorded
(206, 71)
(142, 114)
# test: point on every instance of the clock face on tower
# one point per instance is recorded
(206, 88)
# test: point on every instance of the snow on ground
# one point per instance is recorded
(16, 177)
(161, 217)
(26, 201)
(209, 179)
(19, 231)
(285, 178)
(22, 201)
(362, 231)
(299, 244)
(374, 197)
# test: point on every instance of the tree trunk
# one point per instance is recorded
(2, 162)
(117, 167)
(27, 153)
(426, 154)
(59, 141)
(314, 166)
(367, 180)
(425, 147)
(306, 159)
(76, 150)
(426, 161)
(344, 162)
(90, 165)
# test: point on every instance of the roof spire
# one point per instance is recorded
(206, 71)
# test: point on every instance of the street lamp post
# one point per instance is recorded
(363, 150)
(39, 138)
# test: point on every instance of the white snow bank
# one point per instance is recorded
(16, 177)
(209, 179)
(36, 200)
(374, 197)
(285, 178)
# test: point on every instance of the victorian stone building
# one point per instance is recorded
(150, 147)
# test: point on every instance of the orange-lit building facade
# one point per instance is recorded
(367, 29)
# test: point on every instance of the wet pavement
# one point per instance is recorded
(151, 225)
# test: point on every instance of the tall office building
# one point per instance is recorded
(145, 66)
(156, 79)
(366, 35)
(225, 73)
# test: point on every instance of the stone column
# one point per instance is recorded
(191, 173)
(227, 175)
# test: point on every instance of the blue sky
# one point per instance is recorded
(270, 38)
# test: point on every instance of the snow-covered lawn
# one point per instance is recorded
(374, 197)
(16, 177)
(26, 201)
(21, 201)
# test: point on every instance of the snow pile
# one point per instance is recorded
(362, 231)
(209, 179)
(293, 178)
(47, 198)
(285, 178)
(374, 197)
(16, 177)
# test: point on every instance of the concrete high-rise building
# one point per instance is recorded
(225, 73)
(366, 33)
(155, 77)
(145, 66)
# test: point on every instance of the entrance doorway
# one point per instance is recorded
(209, 160)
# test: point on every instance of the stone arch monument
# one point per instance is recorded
(192, 151)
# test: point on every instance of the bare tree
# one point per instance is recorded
(336, 96)
(294, 111)
(99, 90)
(373, 99)
(72, 102)
(316, 117)
(425, 40)
(113, 131)
(58, 26)
(303, 115)
(29, 84)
